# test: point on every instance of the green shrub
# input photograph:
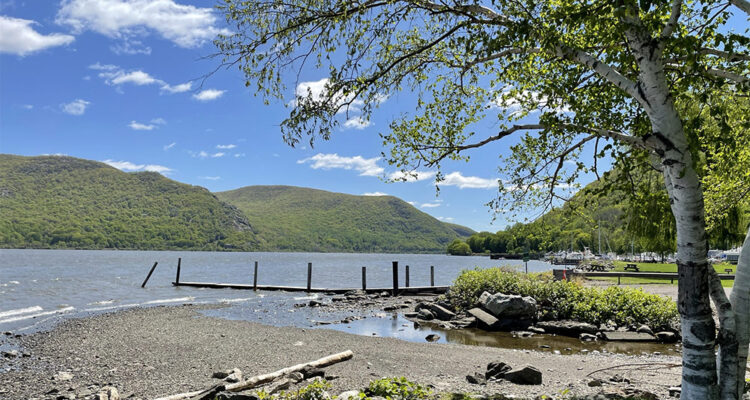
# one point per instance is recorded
(398, 389)
(459, 248)
(314, 391)
(566, 300)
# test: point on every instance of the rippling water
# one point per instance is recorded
(40, 287)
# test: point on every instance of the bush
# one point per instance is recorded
(314, 391)
(398, 389)
(567, 300)
(459, 248)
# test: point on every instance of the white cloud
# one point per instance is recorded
(210, 178)
(113, 75)
(137, 126)
(17, 36)
(130, 47)
(129, 166)
(430, 205)
(317, 91)
(159, 121)
(413, 176)
(208, 94)
(75, 107)
(374, 194)
(357, 123)
(27, 106)
(138, 78)
(468, 182)
(225, 146)
(238, 155)
(182, 87)
(185, 25)
(445, 219)
(365, 166)
(169, 146)
(204, 154)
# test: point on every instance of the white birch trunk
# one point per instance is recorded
(669, 142)
(740, 298)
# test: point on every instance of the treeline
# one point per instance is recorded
(641, 221)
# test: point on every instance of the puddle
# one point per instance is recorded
(396, 326)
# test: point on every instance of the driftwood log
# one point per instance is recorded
(258, 380)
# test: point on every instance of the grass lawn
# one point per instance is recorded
(657, 267)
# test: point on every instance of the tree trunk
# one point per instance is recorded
(699, 379)
(741, 305)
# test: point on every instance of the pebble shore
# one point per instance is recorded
(151, 352)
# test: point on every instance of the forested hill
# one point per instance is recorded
(295, 218)
(65, 202)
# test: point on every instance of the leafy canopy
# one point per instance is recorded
(500, 61)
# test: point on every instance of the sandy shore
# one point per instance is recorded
(147, 353)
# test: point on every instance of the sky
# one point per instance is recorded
(129, 83)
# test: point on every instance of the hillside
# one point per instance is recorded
(293, 218)
(65, 202)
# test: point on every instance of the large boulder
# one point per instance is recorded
(567, 327)
(527, 375)
(441, 312)
(505, 306)
(497, 370)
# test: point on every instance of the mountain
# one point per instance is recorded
(294, 218)
(66, 202)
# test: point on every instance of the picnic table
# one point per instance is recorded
(633, 267)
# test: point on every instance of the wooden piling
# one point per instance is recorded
(149, 274)
(406, 280)
(255, 277)
(432, 275)
(395, 278)
(177, 278)
(309, 276)
(364, 279)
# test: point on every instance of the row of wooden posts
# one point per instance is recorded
(308, 288)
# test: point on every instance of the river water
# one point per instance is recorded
(39, 287)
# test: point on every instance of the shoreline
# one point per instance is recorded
(155, 351)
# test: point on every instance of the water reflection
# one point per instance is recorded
(396, 326)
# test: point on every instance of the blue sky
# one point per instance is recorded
(121, 81)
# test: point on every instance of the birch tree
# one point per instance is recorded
(560, 76)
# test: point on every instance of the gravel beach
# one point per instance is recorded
(151, 352)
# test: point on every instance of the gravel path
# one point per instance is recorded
(152, 352)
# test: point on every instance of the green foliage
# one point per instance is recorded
(641, 217)
(65, 202)
(459, 248)
(398, 389)
(301, 219)
(314, 391)
(567, 300)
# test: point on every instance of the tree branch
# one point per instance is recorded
(471, 9)
(500, 135)
(603, 69)
(672, 23)
(727, 75)
(743, 5)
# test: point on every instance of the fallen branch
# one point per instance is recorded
(265, 378)
(261, 379)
